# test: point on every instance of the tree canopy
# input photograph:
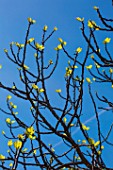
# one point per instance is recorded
(59, 115)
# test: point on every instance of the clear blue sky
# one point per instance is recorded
(60, 13)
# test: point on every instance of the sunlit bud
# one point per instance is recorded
(34, 86)
(41, 90)
(3, 132)
(11, 164)
(2, 157)
(84, 127)
(95, 8)
(10, 143)
(17, 144)
(5, 50)
(9, 97)
(111, 70)
(55, 28)
(58, 90)
(83, 141)
(79, 49)
(65, 119)
(79, 19)
(30, 20)
(97, 143)
(88, 80)
(45, 28)
(91, 141)
(26, 67)
(106, 40)
(89, 67)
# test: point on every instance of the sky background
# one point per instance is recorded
(60, 13)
